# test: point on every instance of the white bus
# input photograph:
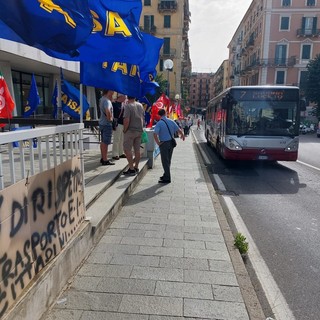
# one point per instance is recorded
(255, 123)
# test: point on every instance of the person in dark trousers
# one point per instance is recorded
(117, 144)
(163, 134)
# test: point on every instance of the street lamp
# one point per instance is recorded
(168, 65)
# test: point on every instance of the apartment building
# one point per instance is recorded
(169, 19)
(201, 91)
(221, 77)
(274, 42)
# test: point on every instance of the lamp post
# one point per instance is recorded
(168, 65)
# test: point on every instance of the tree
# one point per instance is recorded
(312, 86)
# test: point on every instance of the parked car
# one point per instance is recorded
(305, 129)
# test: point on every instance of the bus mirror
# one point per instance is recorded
(303, 105)
(224, 103)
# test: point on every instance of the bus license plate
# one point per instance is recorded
(263, 157)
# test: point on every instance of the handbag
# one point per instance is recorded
(173, 140)
(144, 137)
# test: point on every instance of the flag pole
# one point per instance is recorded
(81, 136)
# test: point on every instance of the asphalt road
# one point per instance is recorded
(280, 205)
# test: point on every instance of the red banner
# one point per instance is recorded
(6, 101)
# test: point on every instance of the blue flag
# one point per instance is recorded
(117, 76)
(130, 79)
(33, 99)
(58, 25)
(70, 100)
(54, 101)
(152, 46)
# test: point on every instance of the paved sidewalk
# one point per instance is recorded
(162, 258)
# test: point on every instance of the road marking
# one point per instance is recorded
(273, 294)
(308, 165)
(219, 182)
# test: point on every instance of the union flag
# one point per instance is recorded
(6, 101)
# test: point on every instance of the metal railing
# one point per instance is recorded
(26, 152)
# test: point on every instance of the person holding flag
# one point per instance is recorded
(33, 99)
(6, 101)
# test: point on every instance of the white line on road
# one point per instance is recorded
(308, 165)
(273, 294)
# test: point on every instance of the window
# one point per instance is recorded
(280, 76)
(303, 78)
(281, 54)
(306, 52)
(311, 3)
(284, 23)
(22, 83)
(166, 45)
(148, 23)
(167, 22)
(309, 25)
(161, 64)
(147, 2)
(286, 3)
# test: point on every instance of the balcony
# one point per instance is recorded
(308, 33)
(149, 29)
(271, 63)
(250, 44)
(166, 54)
(167, 6)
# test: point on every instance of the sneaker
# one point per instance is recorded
(116, 158)
(123, 156)
(130, 172)
(107, 163)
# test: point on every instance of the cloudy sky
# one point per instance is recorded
(213, 24)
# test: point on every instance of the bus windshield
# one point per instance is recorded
(264, 117)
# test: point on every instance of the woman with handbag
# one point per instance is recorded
(164, 136)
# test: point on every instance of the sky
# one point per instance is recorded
(213, 24)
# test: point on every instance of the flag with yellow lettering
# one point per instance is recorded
(70, 100)
(58, 25)
(116, 35)
(33, 99)
(118, 76)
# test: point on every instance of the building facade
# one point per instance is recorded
(18, 62)
(169, 19)
(202, 88)
(221, 78)
(274, 43)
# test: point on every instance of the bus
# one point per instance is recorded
(255, 123)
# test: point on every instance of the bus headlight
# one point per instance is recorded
(233, 145)
(292, 146)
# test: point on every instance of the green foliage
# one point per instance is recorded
(241, 243)
(312, 87)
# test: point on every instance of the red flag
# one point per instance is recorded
(162, 103)
(6, 101)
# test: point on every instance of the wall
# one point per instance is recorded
(38, 217)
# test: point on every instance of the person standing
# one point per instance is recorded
(163, 133)
(117, 144)
(105, 125)
(133, 123)
(198, 124)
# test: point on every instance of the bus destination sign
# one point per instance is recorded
(265, 94)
